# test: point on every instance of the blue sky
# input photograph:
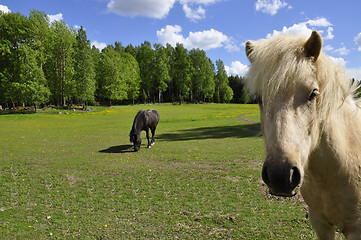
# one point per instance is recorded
(220, 27)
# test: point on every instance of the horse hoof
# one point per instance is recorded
(149, 146)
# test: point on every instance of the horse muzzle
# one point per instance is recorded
(282, 179)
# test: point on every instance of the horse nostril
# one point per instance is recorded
(265, 175)
(295, 177)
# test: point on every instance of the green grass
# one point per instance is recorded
(75, 176)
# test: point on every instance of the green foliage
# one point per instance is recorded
(223, 91)
(109, 80)
(118, 75)
(145, 56)
(60, 67)
(131, 74)
(203, 85)
(29, 84)
(181, 72)
(239, 90)
(161, 70)
(84, 77)
(244, 96)
(22, 79)
(130, 49)
(43, 62)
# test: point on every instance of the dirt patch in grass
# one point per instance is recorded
(254, 126)
(250, 122)
(297, 198)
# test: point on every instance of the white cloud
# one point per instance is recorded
(98, 45)
(193, 9)
(322, 22)
(357, 40)
(206, 40)
(237, 68)
(4, 9)
(327, 48)
(194, 15)
(329, 33)
(56, 17)
(231, 46)
(351, 72)
(339, 61)
(171, 34)
(304, 28)
(342, 50)
(148, 8)
(203, 2)
(319, 22)
(300, 28)
(271, 6)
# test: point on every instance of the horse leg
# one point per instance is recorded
(153, 133)
(324, 230)
(147, 133)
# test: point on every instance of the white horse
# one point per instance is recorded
(312, 129)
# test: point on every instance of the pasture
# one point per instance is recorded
(75, 176)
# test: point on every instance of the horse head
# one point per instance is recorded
(136, 140)
(282, 77)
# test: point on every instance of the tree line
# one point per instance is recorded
(43, 62)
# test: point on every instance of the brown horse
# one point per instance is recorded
(143, 121)
(311, 125)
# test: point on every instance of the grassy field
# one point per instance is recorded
(75, 176)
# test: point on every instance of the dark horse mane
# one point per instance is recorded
(143, 121)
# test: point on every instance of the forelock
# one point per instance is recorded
(276, 64)
(279, 63)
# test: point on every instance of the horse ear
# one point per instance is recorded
(249, 49)
(313, 46)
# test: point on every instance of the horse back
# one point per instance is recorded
(152, 117)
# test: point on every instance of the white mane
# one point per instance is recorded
(279, 62)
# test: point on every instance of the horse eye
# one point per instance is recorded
(314, 94)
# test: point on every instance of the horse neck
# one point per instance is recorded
(138, 123)
(135, 128)
(340, 141)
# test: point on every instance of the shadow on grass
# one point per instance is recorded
(237, 131)
(118, 149)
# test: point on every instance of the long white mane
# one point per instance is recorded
(279, 62)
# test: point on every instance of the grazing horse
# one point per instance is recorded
(142, 122)
(311, 125)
